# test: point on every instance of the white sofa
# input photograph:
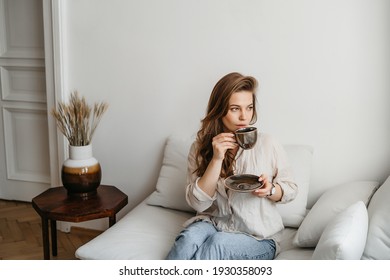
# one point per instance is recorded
(348, 221)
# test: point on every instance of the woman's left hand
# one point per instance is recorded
(265, 190)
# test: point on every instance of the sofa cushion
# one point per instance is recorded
(378, 238)
(296, 254)
(171, 183)
(288, 251)
(330, 203)
(145, 233)
(345, 236)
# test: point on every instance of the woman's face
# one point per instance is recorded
(240, 111)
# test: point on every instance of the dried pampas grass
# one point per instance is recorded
(74, 119)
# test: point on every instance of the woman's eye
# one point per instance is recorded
(234, 109)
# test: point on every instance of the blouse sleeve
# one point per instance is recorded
(195, 196)
(283, 174)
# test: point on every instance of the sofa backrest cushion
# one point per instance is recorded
(378, 238)
(171, 183)
(345, 236)
(330, 203)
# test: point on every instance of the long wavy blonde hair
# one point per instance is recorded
(212, 125)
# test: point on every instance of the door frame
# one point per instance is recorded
(55, 35)
(55, 81)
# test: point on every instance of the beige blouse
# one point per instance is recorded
(243, 212)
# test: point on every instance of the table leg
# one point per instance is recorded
(111, 220)
(53, 227)
(45, 238)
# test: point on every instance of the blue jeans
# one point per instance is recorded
(202, 241)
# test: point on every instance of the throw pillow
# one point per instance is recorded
(378, 238)
(345, 236)
(330, 203)
(300, 158)
(171, 183)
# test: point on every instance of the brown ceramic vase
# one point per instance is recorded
(81, 172)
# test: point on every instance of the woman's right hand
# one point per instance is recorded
(223, 142)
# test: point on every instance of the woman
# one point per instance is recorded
(233, 225)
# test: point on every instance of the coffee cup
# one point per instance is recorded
(246, 137)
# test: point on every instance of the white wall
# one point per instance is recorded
(323, 67)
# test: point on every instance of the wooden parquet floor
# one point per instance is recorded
(21, 234)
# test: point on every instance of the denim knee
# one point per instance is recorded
(190, 239)
(214, 248)
(197, 232)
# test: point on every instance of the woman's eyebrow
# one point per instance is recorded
(236, 105)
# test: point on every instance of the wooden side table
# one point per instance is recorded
(55, 205)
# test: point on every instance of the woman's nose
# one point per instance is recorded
(243, 115)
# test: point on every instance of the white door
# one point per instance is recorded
(24, 133)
